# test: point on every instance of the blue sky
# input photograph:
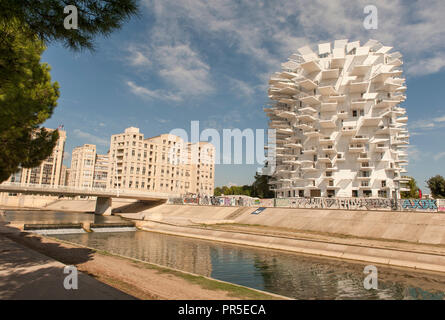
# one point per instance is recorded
(211, 60)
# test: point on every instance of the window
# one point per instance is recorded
(355, 193)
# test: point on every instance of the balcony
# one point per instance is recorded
(324, 159)
(326, 140)
(360, 70)
(329, 74)
(312, 134)
(363, 157)
(328, 106)
(285, 131)
(337, 98)
(311, 150)
(356, 148)
(305, 118)
(327, 91)
(340, 157)
(371, 121)
(329, 149)
(287, 115)
(360, 138)
(358, 87)
(365, 166)
(310, 66)
(311, 100)
(342, 114)
(328, 124)
(349, 128)
(381, 147)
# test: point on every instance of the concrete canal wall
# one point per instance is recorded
(418, 227)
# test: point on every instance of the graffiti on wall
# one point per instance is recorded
(337, 203)
(427, 205)
(441, 205)
(419, 204)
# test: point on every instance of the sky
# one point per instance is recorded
(210, 61)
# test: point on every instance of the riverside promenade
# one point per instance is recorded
(26, 274)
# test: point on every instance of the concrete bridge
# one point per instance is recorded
(104, 196)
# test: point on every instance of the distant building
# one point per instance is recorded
(164, 163)
(49, 172)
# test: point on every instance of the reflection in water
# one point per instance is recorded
(288, 274)
(291, 275)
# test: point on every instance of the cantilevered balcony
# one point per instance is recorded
(287, 115)
(342, 114)
(328, 106)
(311, 100)
(285, 131)
(363, 157)
(327, 91)
(306, 118)
(329, 149)
(326, 140)
(310, 150)
(356, 148)
(307, 84)
(369, 121)
(358, 87)
(329, 74)
(311, 66)
(328, 123)
(385, 103)
(360, 138)
(360, 70)
(349, 128)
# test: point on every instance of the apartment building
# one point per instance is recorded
(340, 129)
(88, 169)
(164, 163)
(82, 166)
(49, 172)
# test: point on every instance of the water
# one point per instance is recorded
(288, 274)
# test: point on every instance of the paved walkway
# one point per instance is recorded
(27, 274)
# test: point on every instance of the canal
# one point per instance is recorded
(292, 275)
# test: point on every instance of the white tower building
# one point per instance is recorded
(339, 128)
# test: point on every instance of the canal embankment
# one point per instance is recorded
(122, 277)
(397, 239)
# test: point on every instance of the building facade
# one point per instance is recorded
(164, 163)
(49, 172)
(340, 129)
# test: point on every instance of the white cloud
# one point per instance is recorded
(90, 138)
(269, 31)
(439, 156)
(152, 94)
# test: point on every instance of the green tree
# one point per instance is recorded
(45, 19)
(261, 188)
(437, 186)
(27, 99)
(413, 192)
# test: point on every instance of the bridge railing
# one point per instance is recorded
(97, 190)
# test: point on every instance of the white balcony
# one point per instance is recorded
(329, 74)
(311, 66)
(356, 148)
(358, 87)
(328, 124)
(311, 100)
(327, 91)
(371, 121)
(361, 138)
(342, 114)
(328, 106)
(360, 70)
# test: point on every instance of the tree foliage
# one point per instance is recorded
(413, 192)
(44, 19)
(27, 99)
(259, 189)
(437, 186)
